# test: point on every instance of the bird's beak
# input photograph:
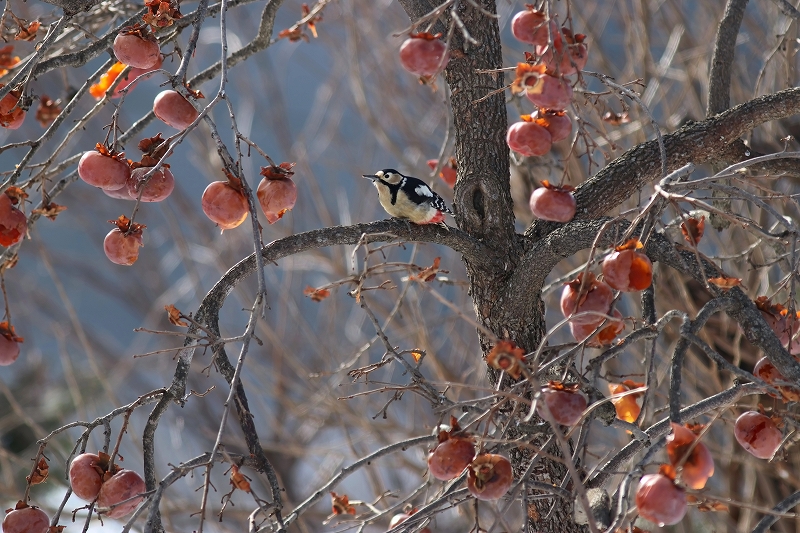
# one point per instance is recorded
(371, 177)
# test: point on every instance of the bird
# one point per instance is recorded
(408, 198)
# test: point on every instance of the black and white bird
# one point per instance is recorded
(408, 198)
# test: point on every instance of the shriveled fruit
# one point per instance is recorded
(424, 54)
(160, 186)
(85, 476)
(122, 486)
(136, 49)
(13, 223)
(26, 519)
(103, 170)
(694, 457)
(627, 269)
(548, 91)
(604, 337)
(757, 434)
(529, 27)
(660, 500)
(9, 351)
(11, 115)
(489, 476)
(276, 196)
(528, 139)
(224, 205)
(565, 403)
(174, 110)
(596, 296)
(765, 370)
(553, 203)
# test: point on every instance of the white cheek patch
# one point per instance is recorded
(423, 190)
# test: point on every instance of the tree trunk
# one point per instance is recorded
(484, 210)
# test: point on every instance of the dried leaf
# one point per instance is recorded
(125, 225)
(725, 283)
(39, 475)
(194, 93)
(48, 110)
(693, 229)
(50, 210)
(312, 23)
(233, 181)
(429, 273)
(616, 119)
(16, 194)
(153, 148)
(293, 34)
(507, 356)
(341, 504)
(282, 171)
(27, 33)
(161, 14)
(316, 295)
(174, 314)
(706, 505)
(239, 480)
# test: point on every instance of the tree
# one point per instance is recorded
(384, 323)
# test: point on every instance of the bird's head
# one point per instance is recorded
(387, 176)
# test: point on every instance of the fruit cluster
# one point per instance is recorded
(542, 79)
(116, 491)
(659, 498)
(586, 301)
(223, 202)
(489, 475)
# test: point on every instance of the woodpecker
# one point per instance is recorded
(408, 198)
